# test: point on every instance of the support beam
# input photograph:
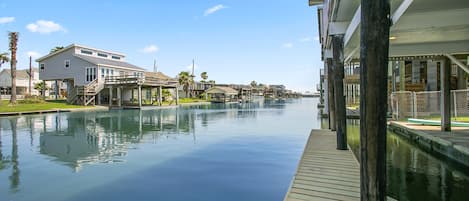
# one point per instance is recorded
(445, 95)
(457, 62)
(374, 53)
(340, 111)
(400, 10)
(119, 97)
(352, 27)
(401, 75)
(110, 96)
(56, 90)
(177, 95)
(331, 102)
(160, 95)
(139, 94)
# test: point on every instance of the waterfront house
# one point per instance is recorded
(22, 82)
(96, 76)
(220, 94)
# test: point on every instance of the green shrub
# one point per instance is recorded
(31, 100)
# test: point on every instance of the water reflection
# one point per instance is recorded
(82, 138)
(414, 174)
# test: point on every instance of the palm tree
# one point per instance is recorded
(13, 47)
(4, 58)
(204, 76)
(253, 83)
(41, 86)
(185, 79)
(56, 48)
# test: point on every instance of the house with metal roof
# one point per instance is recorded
(96, 76)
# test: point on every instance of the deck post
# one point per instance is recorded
(160, 95)
(445, 95)
(119, 96)
(56, 90)
(177, 95)
(110, 96)
(151, 95)
(374, 56)
(401, 75)
(330, 81)
(139, 94)
(340, 111)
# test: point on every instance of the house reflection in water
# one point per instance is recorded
(84, 138)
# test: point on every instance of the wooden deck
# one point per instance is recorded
(325, 173)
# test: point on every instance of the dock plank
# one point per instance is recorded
(325, 173)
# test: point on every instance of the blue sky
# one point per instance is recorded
(234, 41)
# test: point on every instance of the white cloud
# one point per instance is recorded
(214, 9)
(33, 54)
(150, 49)
(5, 20)
(305, 39)
(45, 27)
(288, 45)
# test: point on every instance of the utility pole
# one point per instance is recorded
(31, 74)
(155, 66)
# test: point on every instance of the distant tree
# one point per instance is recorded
(212, 82)
(204, 76)
(41, 87)
(56, 48)
(4, 58)
(253, 83)
(13, 48)
(185, 79)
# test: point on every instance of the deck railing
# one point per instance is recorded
(124, 79)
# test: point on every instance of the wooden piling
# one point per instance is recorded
(445, 95)
(374, 52)
(340, 111)
(331, 103)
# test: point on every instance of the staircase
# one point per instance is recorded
(85, 95)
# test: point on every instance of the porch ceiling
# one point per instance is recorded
(427, 27)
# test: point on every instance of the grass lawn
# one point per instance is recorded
(47, 105)
(191, 100)
(460, 119)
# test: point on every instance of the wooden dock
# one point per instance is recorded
(325, 173)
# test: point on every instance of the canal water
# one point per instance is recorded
(208, 152)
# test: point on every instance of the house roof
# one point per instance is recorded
(158, 75)
(20, 74)
(107, 62)
(222, 90)
(80, 46)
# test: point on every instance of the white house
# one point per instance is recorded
(22, 82)
(88, 71)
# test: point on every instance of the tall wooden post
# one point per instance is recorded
(110, 96)
(119, 96)
(374, 52)
(331, 102)
(445, 95)
(177, 95)
(340, 111)
(139, 94)
(401, 75)
(56, 90)
(160, 95)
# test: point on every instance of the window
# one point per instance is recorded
(67, 63)
(42, 67)
(112, 72)
(102, 72)
(107, 71)
(116, 57)
(90, 74)
(102, 55)
(86, 52)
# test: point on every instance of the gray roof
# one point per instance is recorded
(107, 62)
(20, 74)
